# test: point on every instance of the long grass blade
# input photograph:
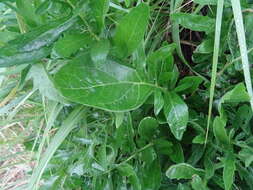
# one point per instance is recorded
(237, 11)
(59, 137)
(220, 5)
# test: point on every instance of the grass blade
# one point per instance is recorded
(237, 11)
(59, 137)
(220, 5)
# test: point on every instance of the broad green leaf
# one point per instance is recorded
(194, 22)
(158, 102)
(100, 50)
(220, 131)
(128, 171)
(176, 113)
(147, 128)
(42, 81)
(197, 183)
(99, 10)
(33, 46)
(70, 44)
(130, 30)
(183, 171)
(229, 171)
(108, 86)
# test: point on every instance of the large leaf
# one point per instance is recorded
(108, 86)
(130, 30)
(33, 46)
(176, 113)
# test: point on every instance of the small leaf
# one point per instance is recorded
(119, 117)
(99, 10)
(70, 44)
(43, 7)
(176, 113)
(100, 50)
(183, 171)
(158, 102)
(246, 155)
(194, 22)
(197, 183)
(164, 147)
(42, 81)
(189, 84)
(130, 30)
(147, 128)
(177, 155)
(128, 171)
(152, 176)
(220, 131)
(238, 94)
(229, 171)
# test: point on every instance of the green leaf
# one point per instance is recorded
(108, 86)
(176, 113)
(197, 183)
(130, 30)
(70, 44)
(33, 46)
(128, 171)
(177, 155)
(99, 10)
(183, 171)
(158, 102)
(119, 117)
(124, 136)
(194, 22)
(164, 147)
(189, 84)
(246, 155)
(229, 171)
(100, 50)
(220, 131)
(44, 7)
(183, 187)
(27, 10)
(42, 81)
(147, 128)
(237, 95)
(152, 176)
